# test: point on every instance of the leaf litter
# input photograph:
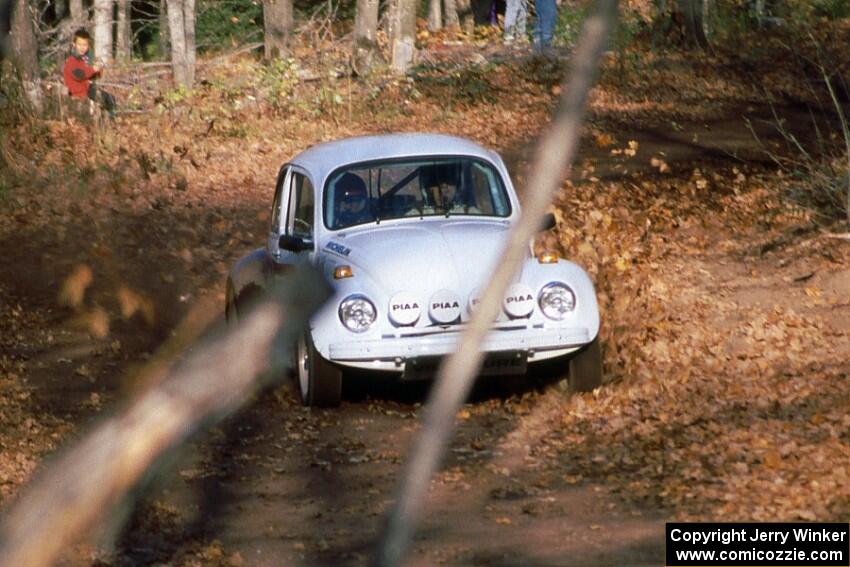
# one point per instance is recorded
(726, 383)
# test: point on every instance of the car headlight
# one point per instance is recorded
(357, 313)
(556, 300)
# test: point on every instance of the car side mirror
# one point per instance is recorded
(294, 243)
(548, 222)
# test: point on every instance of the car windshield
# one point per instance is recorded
(376, 191)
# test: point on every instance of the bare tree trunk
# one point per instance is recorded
(65, 26)
(435, 15)
(366, 21)
(402, 34)
(277, 27)
(5, 26)
(60, 10)
(464, 12)
(698, 20)
(25, 51)
(189, 36)
(78, 13)
(450, 14)
(177, 36)
(182, 62)
(24, 46)
(365, 36)
(164, 37)
(103, 29)
(123, 38)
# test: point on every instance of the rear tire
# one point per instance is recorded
(319, 381)
(586, 368)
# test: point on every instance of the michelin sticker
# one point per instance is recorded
(338, 248)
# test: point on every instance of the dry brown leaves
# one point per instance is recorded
(717, 406)
(26, 433)
(728, 401)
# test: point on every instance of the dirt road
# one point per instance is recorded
(531, 479)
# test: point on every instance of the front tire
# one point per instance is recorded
(319, 381)
(230, 304)
(586, 368)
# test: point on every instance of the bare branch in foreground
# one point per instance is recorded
(553, 156)
(86, 484)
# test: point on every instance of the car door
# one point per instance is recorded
(278, 213)
(297, 217)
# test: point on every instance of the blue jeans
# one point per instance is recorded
(516, 13)
(544, 28)
(106, 99)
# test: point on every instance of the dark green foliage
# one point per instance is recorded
(222, 24)
(568, 26)
(278, 81)
(832, 9)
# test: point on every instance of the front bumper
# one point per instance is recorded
(417, 343)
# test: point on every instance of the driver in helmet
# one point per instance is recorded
(441, 183)
(352, 201)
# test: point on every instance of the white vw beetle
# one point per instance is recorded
(407, 228)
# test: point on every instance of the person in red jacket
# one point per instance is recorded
(79, 73)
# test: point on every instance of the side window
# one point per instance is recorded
(278, 196)
(300, 220)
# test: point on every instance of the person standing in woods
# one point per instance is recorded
(79, 73)
(516, 13)
(544, 27)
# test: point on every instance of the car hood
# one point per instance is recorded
(429, 255)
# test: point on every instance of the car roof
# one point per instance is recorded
(323, 158)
